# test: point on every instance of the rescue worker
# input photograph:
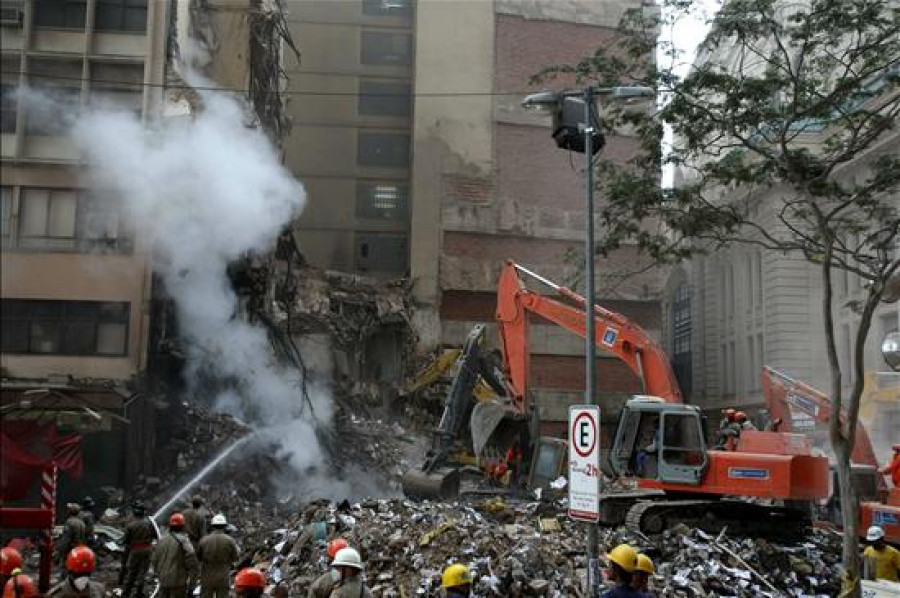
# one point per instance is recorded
(195, 519)
(138, 541)
(640, 579)
(217, 553)
(349, 566)
(893, 468)
(20, 586)
(89, 519)
(249, 583)
(456, 581)
(10, 560)
(77, 583)
(729, 430)
(883, 559)
(622, 563)
(743, 422)
(74, 532)
(322, 587)
(174, 560)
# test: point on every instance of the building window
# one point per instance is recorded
(121, 15)
(7, 109)
(383, 48)
(64, 327)
(384, 99)
(57, 83)
(67, 14)
(385, 150)
(387, 7)
(66, 219)
(377, 252)
(6, 198)
(382, 201)
(117, 87)
(681, 337)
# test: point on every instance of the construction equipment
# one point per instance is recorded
(797, 407)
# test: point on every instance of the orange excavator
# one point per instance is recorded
(766, 485)
(798, 407)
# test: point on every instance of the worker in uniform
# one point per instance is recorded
(884, 560)
(77, 583)
(249, 583)
(622, 563)
(175, 561)
(138, 541)
(744, 422)
(640, 579)
(20, 586)
(893, 468)
(217, 553)
(89, 518)
(322, 587)
(728, 430)
(195, 519)
(10, 560)
(456, 581)
(349, 566)
(74, 533)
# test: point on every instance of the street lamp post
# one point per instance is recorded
(568, 135)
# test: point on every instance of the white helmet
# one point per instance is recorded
(219, 520)
(347, 557)
(874, 533)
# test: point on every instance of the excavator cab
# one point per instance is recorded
(660, 441)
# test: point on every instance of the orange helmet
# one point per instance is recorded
(176, 520)
(20, 586)
(334, 546)
(740, 416)
(10, 559)
(249, 578)
(81, 560)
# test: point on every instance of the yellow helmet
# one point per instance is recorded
(624, 556)
(644, 564)
(456, 575)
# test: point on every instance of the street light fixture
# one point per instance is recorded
(890, 350)
(576, 127)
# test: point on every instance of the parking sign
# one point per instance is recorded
(584, 462)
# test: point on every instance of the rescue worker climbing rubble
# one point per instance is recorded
(324, 584)
(881, 559)
(622, 563)
(195, 518)
(892, 469)
(349, 565)
(10, 560)
(217, 553)
(74, 533)
(20, 586)
(138, 542)
(249, 583)
(175, 561)
(456, 581)
(643, 570)
(77, 583)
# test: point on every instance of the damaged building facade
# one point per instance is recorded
(419, 162)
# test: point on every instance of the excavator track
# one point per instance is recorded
(713, 516)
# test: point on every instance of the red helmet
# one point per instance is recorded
(334, 546)
(10, 559)
(249, 578)
(176, 520)
(740, 416)
(20, 586)
(81, 560)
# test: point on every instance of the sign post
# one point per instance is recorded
(584, 479)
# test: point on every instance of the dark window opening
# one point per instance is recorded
(385, 150)
(38, 326)
(121, 15)
(681, 338)
(377, 252)
(8, 104)
(66, 14)
(384, 99)
(382, 48)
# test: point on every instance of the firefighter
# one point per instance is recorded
(622, 563)
(349, 566)
(729, 430)
(892, 469)
(195, 519)
(743, 422)
(175, 561)
(20, 586)
(217, 554)
(138, 541)
(77, 583)
(456, 581)
(10, 560)
(89, 518)
(322, 587)
(884, 559)
(249, 583)
(73, 532)
(640, 579)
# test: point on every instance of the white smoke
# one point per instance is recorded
(203, 191)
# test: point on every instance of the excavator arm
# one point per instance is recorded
(614, 333)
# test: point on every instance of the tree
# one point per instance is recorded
(783, 139)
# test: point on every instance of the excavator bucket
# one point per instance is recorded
(440, 485)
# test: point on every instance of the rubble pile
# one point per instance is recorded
(532, 549)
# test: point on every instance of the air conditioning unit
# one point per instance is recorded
(11, 15)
